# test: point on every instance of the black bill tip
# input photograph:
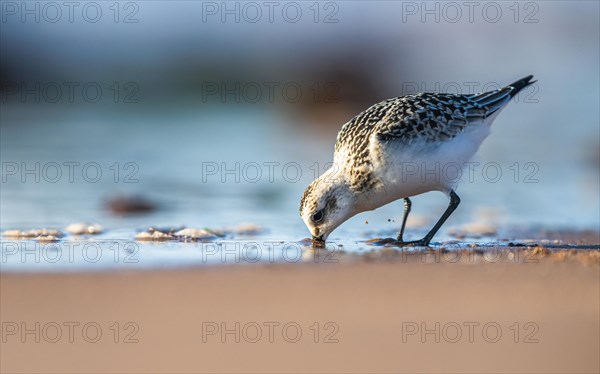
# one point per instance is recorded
(318, 241)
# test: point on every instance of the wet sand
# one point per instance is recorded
(536, 311)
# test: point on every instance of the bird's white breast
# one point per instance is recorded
(405, 171)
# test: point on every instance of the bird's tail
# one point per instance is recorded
(520, 84)
(495, 100)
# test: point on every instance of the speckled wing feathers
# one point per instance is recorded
(426, 118)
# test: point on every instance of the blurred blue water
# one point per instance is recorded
(169, 161)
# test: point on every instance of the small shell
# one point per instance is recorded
(47, 238)
(13, 234)
(56, 233)
(18, 234)
(153, 236)
(83, 228)
(195, 233)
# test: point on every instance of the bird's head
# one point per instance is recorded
(326, 204)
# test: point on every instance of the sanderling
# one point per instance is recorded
(375, 149)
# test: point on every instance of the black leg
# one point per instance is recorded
(454, 201)
(407, 206)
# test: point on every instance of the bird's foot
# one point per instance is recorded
(399, 242)
(415, 243)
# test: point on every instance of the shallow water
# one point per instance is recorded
(167, 164)
(115, 250)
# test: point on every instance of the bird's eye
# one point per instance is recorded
(318, 216)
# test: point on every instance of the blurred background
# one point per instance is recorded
(212, 114)
(138, 114)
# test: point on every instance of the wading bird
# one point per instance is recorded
(427, 131)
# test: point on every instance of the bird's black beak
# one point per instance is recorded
(318, 241)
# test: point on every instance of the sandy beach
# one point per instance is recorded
(385, 313)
